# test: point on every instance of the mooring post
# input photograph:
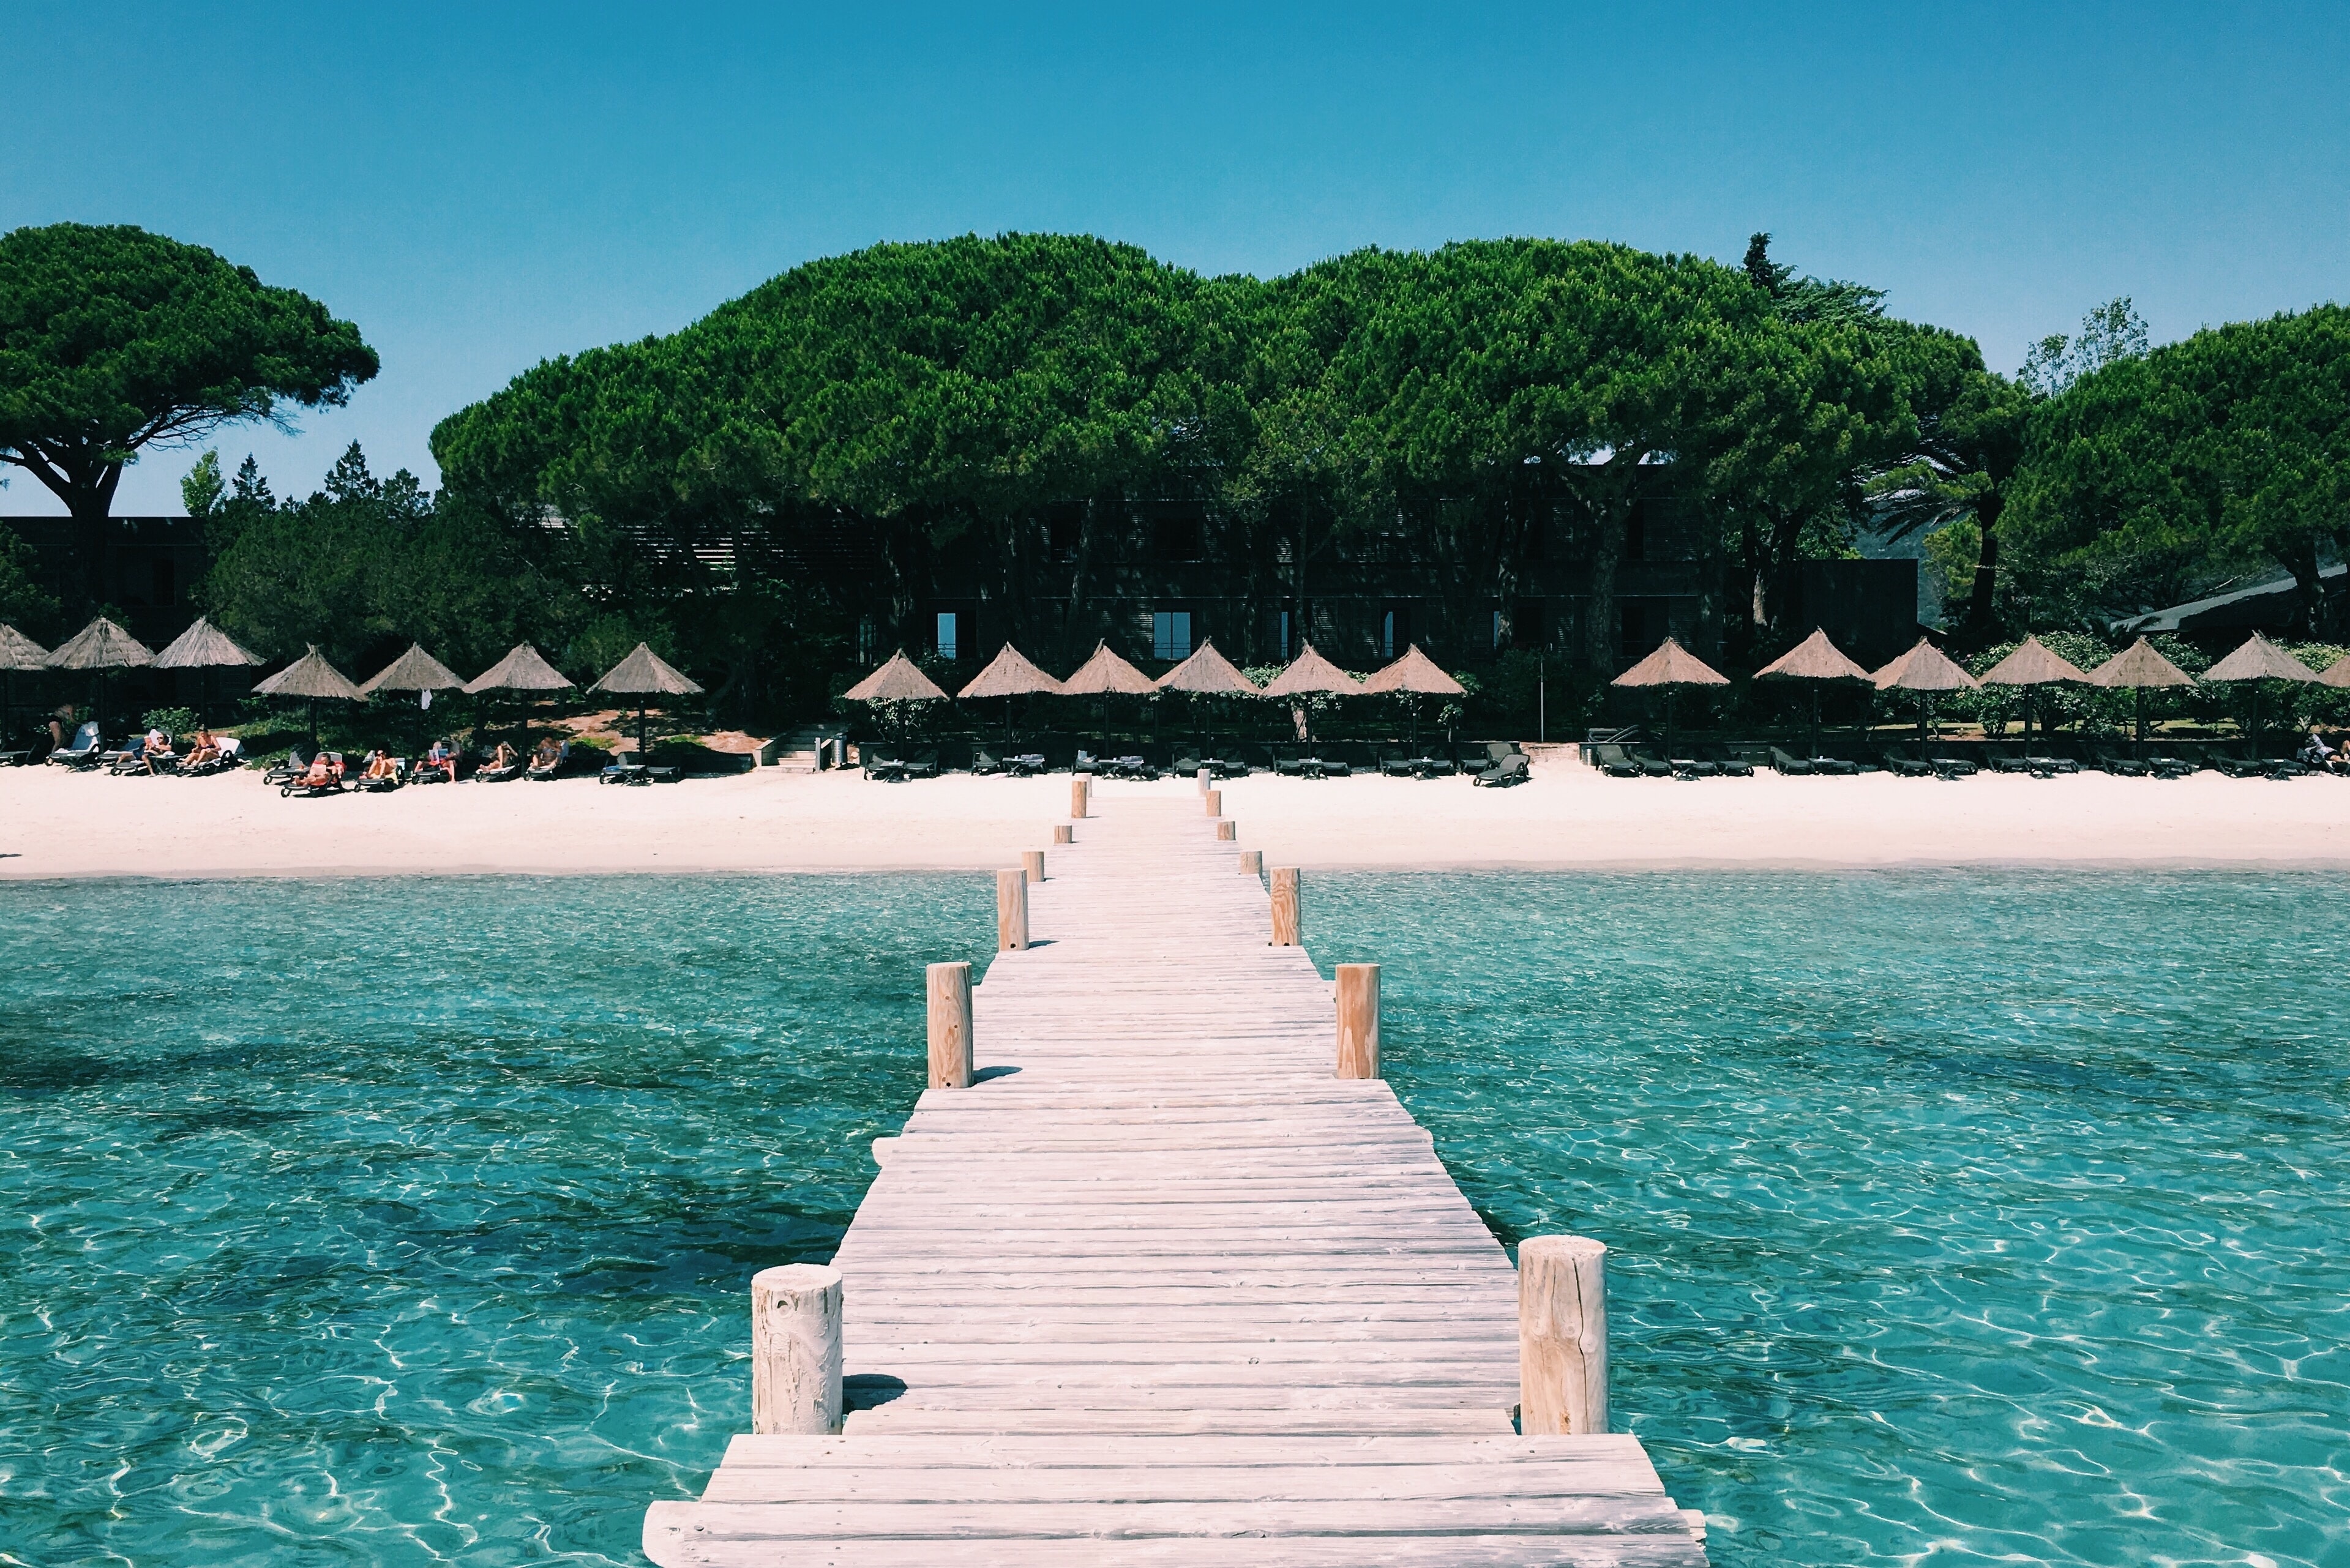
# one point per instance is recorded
(950, 988)
(1031, 862)
(1011, 912)
(1358, 1021)
(1562, 1336)
(796, 1350)
(1203, 781)
(1252, 862)
(1080, 786)
(1065, 833)
(1227, 831)
(1285, 906)
(1215, 799)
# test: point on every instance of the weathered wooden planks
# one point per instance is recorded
(1159, 1286)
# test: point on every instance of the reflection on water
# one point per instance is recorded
(1962, 1218)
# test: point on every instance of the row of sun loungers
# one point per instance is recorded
(1497, 763)
(2037, 759)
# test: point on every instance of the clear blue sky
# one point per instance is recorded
(481, 186)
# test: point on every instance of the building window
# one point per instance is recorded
(167, 581)
(1395, 631)
(1061, 536)
(1501, 629)
(1170, 634)
(1527, 629)
(1640, 627)
(949, 646)
(865, 640)
(1635, 532)
(1177, 538)
(1284, 637)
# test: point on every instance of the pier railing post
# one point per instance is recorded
(950, 993)
(1285, 906)
(1011, 912)
(1252, 862)
(1358, 1021)
(1063, 834)
(1203, 781)
(796, 1350)
(1080, 788)
(1227, 831)
(1031, 862)
(1562, 1336)
(1215, 800)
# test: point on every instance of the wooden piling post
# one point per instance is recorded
(796, 1350)
(1286, 920)
(1203, 781)
(950, 990)
(1358, 1021)
(1215, 799)
(1227, 831)
(1065, 833)
(1011, 912)
(1562, 1336)
(1252, 862)
(1031, 862)
(1080, 787)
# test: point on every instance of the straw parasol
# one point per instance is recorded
(2257, 660)
(2335, 674)
(98, 648)
(1106, 673)
(642, 675)
(2030, 666)
(418, 671)
(1413, 677)
(1309, 673)
(1671, 667)
(1011, 673)
(1929, 671)
(312, 676)
(2139, 666)
(207, 647)
(1817, 661)
(17, 651)
(897, 680)
(1207, 673)
(522, 669)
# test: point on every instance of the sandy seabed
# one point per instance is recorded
(56, 824)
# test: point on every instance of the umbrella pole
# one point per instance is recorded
(1816, 718)
(644, 745)
(2139, 693)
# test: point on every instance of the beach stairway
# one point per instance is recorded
(795, 753)
(1159, 1288)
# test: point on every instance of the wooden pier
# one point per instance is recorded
(1160, 1287)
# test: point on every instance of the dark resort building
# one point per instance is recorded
(149, 568)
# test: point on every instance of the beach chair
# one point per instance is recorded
(1693, 766)
(493, 772)
(1437, 764)
(230, 758)
(550, 767)
(82, 752)
(16, 757)
(391, 781)
(1785, 762)
(1650, 765)
(303, 785)
(2107, 760)
(926, 766)
(1614, 761)
(986, 763)
(1025, 766)
(1514, 769)
(131, 758)
(290, 765)
(1188, 761)
(1728, 764)
(1949, 765)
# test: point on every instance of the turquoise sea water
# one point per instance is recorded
(1956, 1219)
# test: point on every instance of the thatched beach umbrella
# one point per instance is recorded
(523, 669)
(1817, 661)
(2257, 660)
(1929, 671)
(1308, 675)
(897, 681)
(1413, 677)
(2137, 667)
(642, 675)
(1671, 667)
(98, 648)
(418, 671)
(17, 651)
(313, 677)
(2336, 674)
(2031, 666)
(205, 647)
(1209, 674)
(1105, 675)
(1008, 675)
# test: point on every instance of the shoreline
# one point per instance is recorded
(55, 825)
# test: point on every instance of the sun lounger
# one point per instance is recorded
(391, 781)
(548, 768)
(1728, 764)
(230, 757)
(130, 760)
(1785, 762)
(1903, 763)
(302, 785)
(1949, 766)
(2107, 760)
(1614, 761)
(1650, 765)
(83, 752)
(1514, 769)
(495, 772)
(925, 766)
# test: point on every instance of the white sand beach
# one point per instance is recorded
(54, 824)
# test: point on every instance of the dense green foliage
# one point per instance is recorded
(2159, 475)
(114, 340)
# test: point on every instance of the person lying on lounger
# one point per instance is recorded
(159, 749)
(378, 766)
(443, 756)
(504, 757)
(324, 774)
(203, 749)
(548, 756)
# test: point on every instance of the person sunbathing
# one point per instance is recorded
(378, 766)
(158, 750)
(504, 758)
(443, 756)
(548, 757)
(324, 773)
(203, 749)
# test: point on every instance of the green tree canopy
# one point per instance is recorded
(114, 340)
(2154, 477)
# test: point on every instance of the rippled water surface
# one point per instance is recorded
(1988, 1217)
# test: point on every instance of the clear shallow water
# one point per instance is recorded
(1987, 1218)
